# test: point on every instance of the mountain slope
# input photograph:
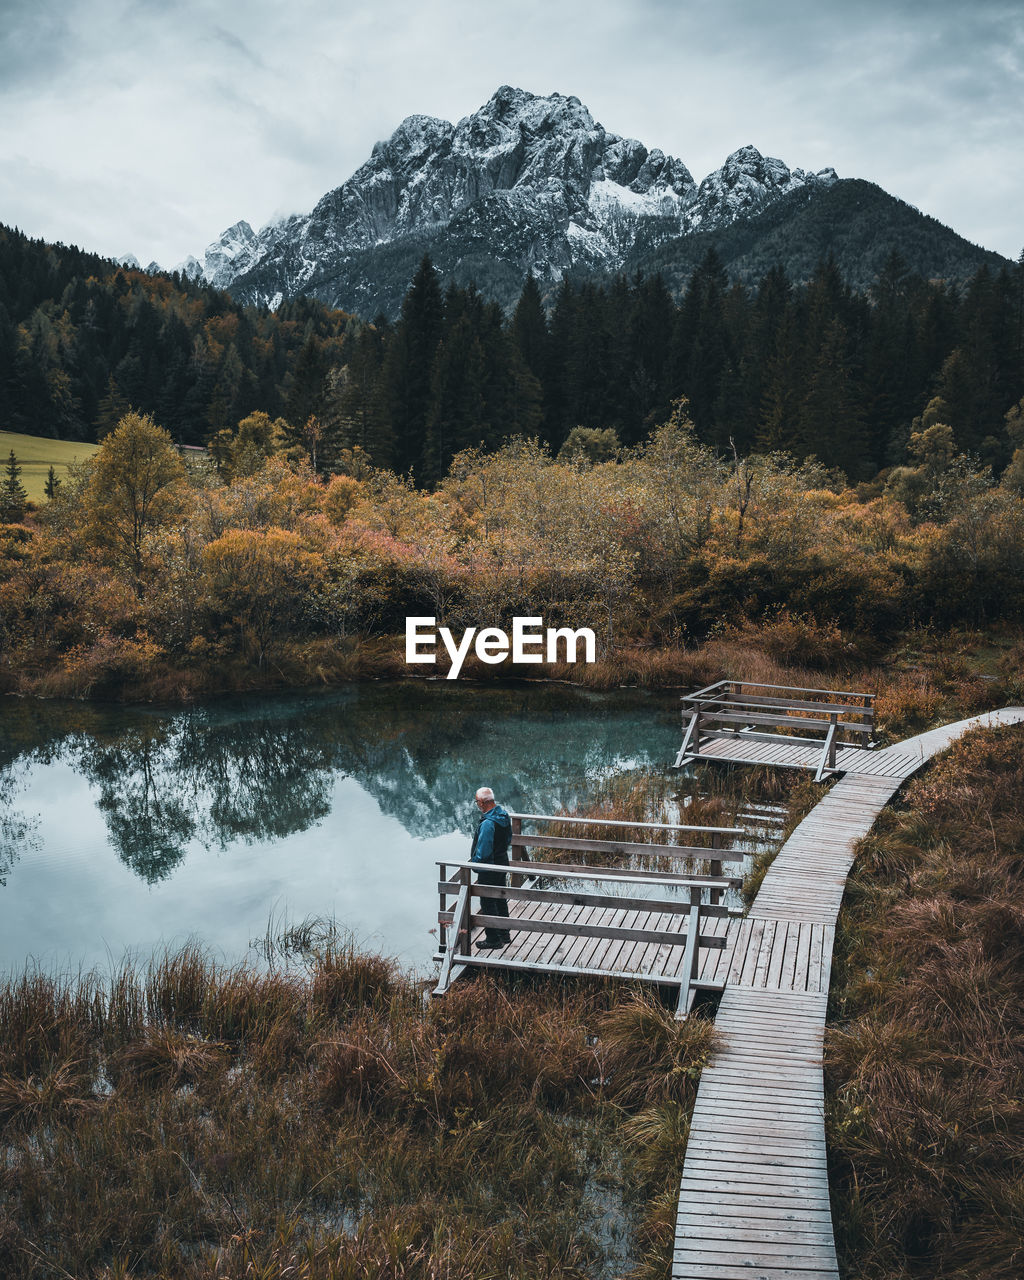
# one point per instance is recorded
(527, 183)
(534, 184)
(855, 222)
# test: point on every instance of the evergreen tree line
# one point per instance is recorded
(81, 342)
(816, 369)
(813, 369)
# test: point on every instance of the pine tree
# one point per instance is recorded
(306, 396)
(111, 409)
(648, 351)
(355, 400)
(409, 365)
(530, 329)
(13, 498)
(52, 484)
(456, 417)
(831, 419)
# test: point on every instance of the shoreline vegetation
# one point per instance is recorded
(152, 577)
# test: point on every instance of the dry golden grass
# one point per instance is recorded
(192, 1121)
(924, 1065)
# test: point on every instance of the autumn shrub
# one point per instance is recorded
(906, 703)
(256, 583)
(340, 496)
(800, 641)
(107, 665)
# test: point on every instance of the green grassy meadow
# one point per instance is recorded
(36, 454)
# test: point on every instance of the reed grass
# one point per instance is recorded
(923, 1055)
(319, 1119)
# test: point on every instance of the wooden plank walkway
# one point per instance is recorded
(657, 962)
(887, 762)
(753, 1198)
(633, 919)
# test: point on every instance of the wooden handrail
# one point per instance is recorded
(657, 906)
(622, 822)
(626, 847)
(616, 873)
(760, 716)
(798, 704)
(787, 688)
(576, 872)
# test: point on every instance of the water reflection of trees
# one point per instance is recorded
(16, 829)
(261, 769)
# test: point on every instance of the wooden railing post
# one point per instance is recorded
(516, 853)
(442, 928)
(715, 867)
(463, 942)
(692, 735)
(691, 957)
(828, 753)
(461, 933)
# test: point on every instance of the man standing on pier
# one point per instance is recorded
(490, 844)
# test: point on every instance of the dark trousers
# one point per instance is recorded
(494, 906)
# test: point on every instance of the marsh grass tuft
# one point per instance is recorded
(923, 1058)
(192, 1120)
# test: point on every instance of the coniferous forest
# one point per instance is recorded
(810, 368)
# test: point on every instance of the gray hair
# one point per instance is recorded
(484, 793)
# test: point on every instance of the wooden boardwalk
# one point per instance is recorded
(888, 762)
(626, 919)
(754, 1199)
(660, 962)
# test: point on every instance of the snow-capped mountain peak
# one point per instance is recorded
(745, 184)
(526, 183)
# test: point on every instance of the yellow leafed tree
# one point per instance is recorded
(136, 484)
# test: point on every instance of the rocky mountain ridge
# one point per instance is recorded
(532, 182)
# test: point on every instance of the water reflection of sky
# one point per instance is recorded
(130, 828)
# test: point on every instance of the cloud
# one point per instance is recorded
(151, 127)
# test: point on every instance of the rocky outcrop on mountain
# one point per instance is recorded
(527, 183)
(745, 185)
(191, 268)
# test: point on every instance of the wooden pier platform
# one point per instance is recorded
(754, 1197)
(738, 748)
(623, 916)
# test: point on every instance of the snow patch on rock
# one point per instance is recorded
(532, 179)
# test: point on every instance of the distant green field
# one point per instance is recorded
(36, 454)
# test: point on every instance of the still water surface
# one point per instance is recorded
(134, 828)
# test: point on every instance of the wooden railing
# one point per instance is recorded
(538, 885)
(828, 718)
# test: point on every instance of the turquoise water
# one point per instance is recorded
(128, 829)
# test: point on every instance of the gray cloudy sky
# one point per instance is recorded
(148, 127)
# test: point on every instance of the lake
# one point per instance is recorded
(128, 829)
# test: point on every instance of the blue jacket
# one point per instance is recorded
(490, 844)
